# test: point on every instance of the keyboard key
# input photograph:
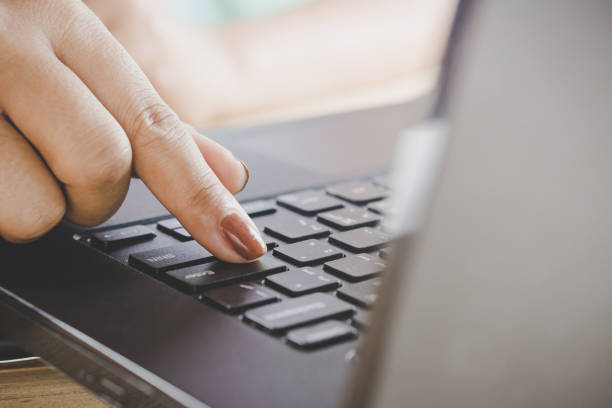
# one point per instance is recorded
(309, 202)
(308, 253)
(292, 228)
(259, 208)
(349, 218)
(298, 311)
(356, 268)
(199, 277)
(362, 319)
(122, 236)
(181, 234)
(237, 298)
(362, 294)
(174, 228)
(360, 240)
(269, 241)
(172, 257)
(358, 193)
(383, 207)
(169, 225)
(321, 334)
(301, 281)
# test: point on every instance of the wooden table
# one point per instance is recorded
(32, 383)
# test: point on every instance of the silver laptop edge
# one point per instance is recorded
(504, 297)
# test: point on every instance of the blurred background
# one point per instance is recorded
(235, 62)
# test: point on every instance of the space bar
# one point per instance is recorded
(296, 312)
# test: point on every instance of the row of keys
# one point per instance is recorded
(314, 252)
(289, 229)
(192, 268)
(311, 203)
(295, 283)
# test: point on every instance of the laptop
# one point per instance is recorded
(497, 291)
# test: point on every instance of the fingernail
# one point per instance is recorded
(247, 174)
(245, 238)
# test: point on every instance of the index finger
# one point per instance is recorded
(165, 155)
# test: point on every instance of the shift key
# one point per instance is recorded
(299, 311)
(171, 257)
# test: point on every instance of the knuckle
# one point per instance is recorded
(155, 123)
(69, 18)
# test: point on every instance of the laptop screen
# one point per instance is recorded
(503, 297)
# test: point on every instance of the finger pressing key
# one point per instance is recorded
(165, 155)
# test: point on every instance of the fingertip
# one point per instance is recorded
(243, 236)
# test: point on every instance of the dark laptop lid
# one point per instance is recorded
(505, 296)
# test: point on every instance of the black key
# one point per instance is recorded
(122, 236)
(172, 257)
(269, 241)
(301, 281)
(385, 253)
(321, 334)
(362, 319)
(349, 218)
(259, 208)
(383, 207)
(309, 202)
(360, 240)
(362, 294)
(181, 234)
(356, 268)
(299, 311)
(359, 193)
(237, 298)
(308, 253)
(169, 225)
(293, 228)
(199, 277)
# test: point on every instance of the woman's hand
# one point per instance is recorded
(77, 115)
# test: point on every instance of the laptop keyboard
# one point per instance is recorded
(315, 287)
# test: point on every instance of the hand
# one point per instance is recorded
(77, 115)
